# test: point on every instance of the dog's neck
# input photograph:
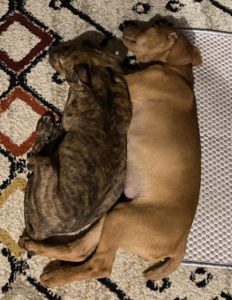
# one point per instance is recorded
(184, 71)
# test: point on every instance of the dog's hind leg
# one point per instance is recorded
(39, 188)
(75, 251)
(98, 266)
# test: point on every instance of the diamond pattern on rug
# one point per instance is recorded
(4, 82)
(4, 270)
(35, 40)
(19, 115)
(45, 85)
(13, 206)
(11, 199)
(29, 290)
(10, 243)
(4, 8)
(5, 168)
(18, 131)
(8, 38)
(58, 17)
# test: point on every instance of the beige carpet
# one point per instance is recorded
(28, 88)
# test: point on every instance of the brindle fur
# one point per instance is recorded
(85, 175)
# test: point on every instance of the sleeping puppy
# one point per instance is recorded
(82, 179)
(91, 47)
(163, 168)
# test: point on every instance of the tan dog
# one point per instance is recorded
(163, 174)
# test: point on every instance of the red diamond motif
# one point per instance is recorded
(45, 40)
(18, 94)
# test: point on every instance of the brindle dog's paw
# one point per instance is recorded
(47, 131)
(44, 126)
(31, 162)
(57, 130)
(43, 132)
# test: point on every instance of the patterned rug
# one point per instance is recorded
(28, 88)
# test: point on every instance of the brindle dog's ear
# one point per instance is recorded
(81, 74)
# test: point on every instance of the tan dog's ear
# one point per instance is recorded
(197, 60)
(154, 44)
(173, 36)
(183, 53)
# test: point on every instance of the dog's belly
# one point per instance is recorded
(134, 181)
(163, 154)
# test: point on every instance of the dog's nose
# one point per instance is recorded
(126, 24)
(53, 51)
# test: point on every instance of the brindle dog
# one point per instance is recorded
(72, 187)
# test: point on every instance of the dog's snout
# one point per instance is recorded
(126, 24)
(130, 24)
(53, 51)
(121, 26)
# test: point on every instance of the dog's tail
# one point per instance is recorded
(163, 267)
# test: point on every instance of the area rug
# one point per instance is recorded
(29, 87)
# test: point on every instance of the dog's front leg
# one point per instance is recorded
(43, 132)
(46, 131)
(99, 266)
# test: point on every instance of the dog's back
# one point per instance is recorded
(94, 150)
(163, 139)
(87, 171)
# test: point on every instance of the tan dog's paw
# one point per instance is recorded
(61, 252)
(33, 247)
(149, 275)
(56, 275)
(29, 245)
(22, 241)
(52, 265)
